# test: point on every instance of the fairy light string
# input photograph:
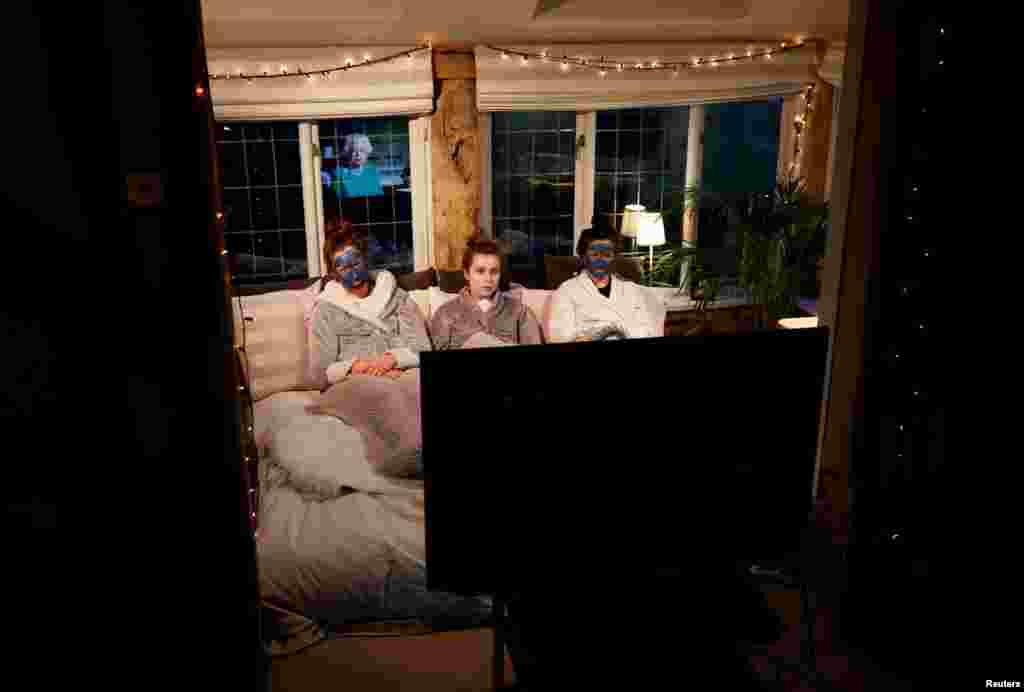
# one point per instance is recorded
(286, 72)
(603, 65)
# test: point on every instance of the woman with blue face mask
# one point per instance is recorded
(596, 304)
(363, 323)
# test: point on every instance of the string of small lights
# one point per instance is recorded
(906, 400)
(249, 448)
(603, 66)
(800, 123)
(351, 63)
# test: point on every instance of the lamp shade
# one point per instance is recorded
(631, 219)
(652, 230)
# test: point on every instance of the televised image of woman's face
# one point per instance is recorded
(356, 151)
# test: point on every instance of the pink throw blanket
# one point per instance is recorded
(386, 413)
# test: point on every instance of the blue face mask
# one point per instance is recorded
(599, 260)
(351, 267)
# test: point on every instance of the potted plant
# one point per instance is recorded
(780, 238)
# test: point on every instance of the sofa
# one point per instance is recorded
(355, 553)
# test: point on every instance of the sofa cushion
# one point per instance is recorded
(439, 297)
(422, 299)
(539, 303)
(451, 281)
(417, 281)
(558, 269)
(276, 357)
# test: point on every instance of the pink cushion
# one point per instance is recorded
(539, 301)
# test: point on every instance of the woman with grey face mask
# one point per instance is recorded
(596, 304)
(363, 323)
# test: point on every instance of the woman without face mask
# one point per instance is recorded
(482, 279)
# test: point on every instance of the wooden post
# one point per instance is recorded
(455, 157)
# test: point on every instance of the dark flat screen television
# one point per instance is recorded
(622, 457)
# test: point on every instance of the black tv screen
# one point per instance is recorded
(617, 456)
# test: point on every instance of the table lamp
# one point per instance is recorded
(631, 219)
(650, 233)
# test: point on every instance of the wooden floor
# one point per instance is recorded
(446, 662)
(461, 662)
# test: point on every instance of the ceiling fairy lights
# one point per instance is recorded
(350, 63)
(604, 65)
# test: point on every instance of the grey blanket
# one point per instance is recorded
(386, 413)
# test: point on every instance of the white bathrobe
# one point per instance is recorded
(579, 308)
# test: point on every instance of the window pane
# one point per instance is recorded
(355, 210)
(607, 152)
(232, 164)
(258, 132)
(239, 247)
(521, 150)
(326, 129)
(629, 151)
(404, 261)
(289, 166)
(639, 151)
(260, 163)
(654, 150)
(236, 211)
(547, 158)
(607, 120)
(741, 146)
(264, 209)
(292, 214)
(499, 152)
(293, 247)
(267, 253)
(403, 206)
(262, 177)
(518, 121)
(632, 119)
(228, 132)
(500, 122)
(542, 121)
(286, 132)
(499, 200)
(604, 193)
(382, 208)
(533, 195)
(519, 197)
